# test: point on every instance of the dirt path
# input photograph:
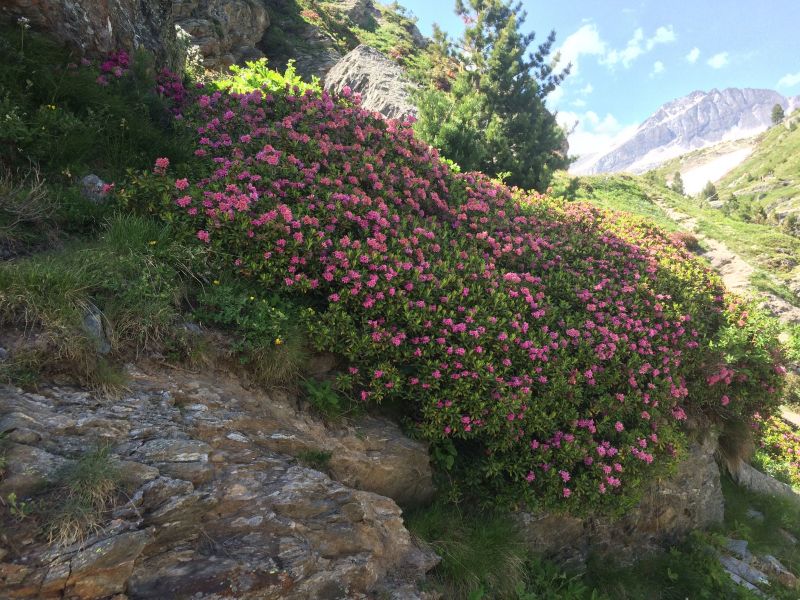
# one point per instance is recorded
(735, 271)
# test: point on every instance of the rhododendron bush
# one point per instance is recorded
(552, 350)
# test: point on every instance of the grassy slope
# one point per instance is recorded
(626, 193)
(770, 177)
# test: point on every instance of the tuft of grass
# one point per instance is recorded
(191, 348)
(269, 332)
(71, 521)
(27, 209)
(93, 478)
(108, 378)
(82, 493)
(316, 459)
(134, 277)
(22, 369)
(480, 553)
(279, 364)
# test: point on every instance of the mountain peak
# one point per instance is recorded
(694, 121)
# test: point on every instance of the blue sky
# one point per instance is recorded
(630, 57)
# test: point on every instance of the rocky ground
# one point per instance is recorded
(213, 503)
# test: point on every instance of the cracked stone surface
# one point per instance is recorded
(213, 505)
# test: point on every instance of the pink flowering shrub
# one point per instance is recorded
(552, 350)
(169, 85)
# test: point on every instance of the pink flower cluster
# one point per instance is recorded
(169, 85)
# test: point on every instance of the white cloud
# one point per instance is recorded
(630, 53)
(585, 41)
(693, 55)
(591, 133)
(663, 35)
(658, 67)
(789, 80)
(718, 61)
(638, 45)
(579, 103)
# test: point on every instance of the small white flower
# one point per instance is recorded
(24, 22)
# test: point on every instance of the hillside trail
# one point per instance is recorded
(735, 271)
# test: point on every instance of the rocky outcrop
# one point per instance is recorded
(670, 508)
(696, 121)
(753, 571)
(223, 31)
(101, 27)
(754, 480)
(312, 50)
(382, 84)
(213, 505)
(361, 12)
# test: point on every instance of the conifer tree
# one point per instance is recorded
(497, 101)
(777, 114)
(677, 183)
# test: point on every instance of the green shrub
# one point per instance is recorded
(268, 332)
(691, 570)
(255, 75)
(54, 113)
(325, 399)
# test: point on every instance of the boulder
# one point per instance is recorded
(375, 455)
(754, 480)
(94, 328)
(670, 508)
(93, 189)
(28, 468)
(382, 84)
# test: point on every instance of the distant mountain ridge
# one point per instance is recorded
(695, 121)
